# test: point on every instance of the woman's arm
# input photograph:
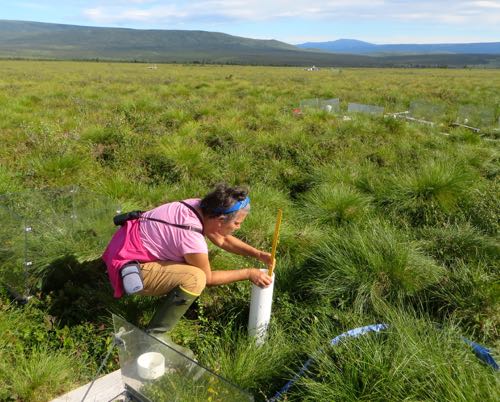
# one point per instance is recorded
(236, 246)
(214, 278)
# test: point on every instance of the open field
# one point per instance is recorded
(385, 220)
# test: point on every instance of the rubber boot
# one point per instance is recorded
(176, 303)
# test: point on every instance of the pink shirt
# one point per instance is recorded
(168, 243)
(147, 241)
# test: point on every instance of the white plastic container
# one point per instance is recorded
(151, 365)
(261, 301)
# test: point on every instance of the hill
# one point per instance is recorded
(35, 40)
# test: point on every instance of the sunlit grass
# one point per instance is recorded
(377, 212)
(411, 360)
(355, 267)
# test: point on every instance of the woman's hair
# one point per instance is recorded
(222, 198)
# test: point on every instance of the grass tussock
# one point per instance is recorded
(32, 367)
(237, 358)
(411, 360)
(429, 194)
(39, 376)
(455, 243)
(354, 267)
(335, 205)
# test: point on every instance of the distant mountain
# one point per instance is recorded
(353, 46)
(340, 46)
(35, 40)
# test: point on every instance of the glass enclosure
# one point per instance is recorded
(366, 109)
(156, 371)
(328, 105)
(41, 227)
(13, 233)
(476, 116)
(427, 110)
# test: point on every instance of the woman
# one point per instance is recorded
(167, 246)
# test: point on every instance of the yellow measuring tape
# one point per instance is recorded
(275, 242)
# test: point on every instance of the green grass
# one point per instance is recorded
(38, 357)
(353, 268)
(378, 214)
(412, 360)
(334, 205)
(429, 194)
(37, 376)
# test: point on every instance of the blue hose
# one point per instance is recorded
(481, 353)
(353, 333)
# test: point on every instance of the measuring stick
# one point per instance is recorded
(275, 243)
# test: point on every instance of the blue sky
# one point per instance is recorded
(291, 21)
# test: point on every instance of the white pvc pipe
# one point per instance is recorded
(261, 301)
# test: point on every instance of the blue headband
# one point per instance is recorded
(235, 207)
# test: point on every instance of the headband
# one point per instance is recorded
(235, 207)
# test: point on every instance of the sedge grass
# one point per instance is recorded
(430, 194)
(470, 296)
(455, 243)
(336, 205)
(38, 376)
(353, 267)
(236, 357)
(411, 360)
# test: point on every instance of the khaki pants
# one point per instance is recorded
(160, 277)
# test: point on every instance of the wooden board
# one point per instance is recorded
(105, 389)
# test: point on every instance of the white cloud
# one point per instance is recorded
(35, 6)
(264, 18)
(124, 15)
(487, 4)
(453, 12)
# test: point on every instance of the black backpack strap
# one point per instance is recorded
(120, 220)
(196, 213)
(186, 227)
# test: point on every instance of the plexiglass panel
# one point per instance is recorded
(427, 110)
(476, 116)
(154, 371)
(45, 226)
(309, 103)
(328, 105)
(367, 109)
(12, 250)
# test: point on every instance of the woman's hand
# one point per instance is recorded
(259, 278)
(265, 258)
